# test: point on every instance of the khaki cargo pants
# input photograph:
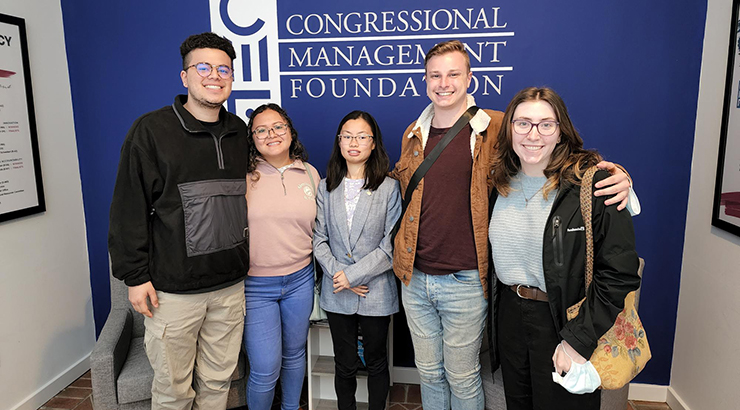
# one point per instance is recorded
(193, 343)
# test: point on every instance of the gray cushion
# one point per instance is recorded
(135, 379)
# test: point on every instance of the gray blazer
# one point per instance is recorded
(365, 253)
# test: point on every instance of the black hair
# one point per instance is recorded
(376, 166)
(296, 150)
(205, 40)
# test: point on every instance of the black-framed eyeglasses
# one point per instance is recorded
(204, 70)
(362, 139)
(262, 133)
(545, 128)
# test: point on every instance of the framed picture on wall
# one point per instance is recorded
(21, 187)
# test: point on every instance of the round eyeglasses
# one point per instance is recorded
(362, 139)
(262, 133)
(545, 128)
(204, 70)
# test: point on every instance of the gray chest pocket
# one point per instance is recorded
(215, 214)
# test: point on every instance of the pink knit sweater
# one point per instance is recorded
(282, 211)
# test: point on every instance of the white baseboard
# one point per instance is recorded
(675, 401)
(407, 375)
(54, 386)
(648, 392)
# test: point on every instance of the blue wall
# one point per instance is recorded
(629, 72)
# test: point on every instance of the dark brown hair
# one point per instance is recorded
(568, 161)
(296, 150)
(376, 166)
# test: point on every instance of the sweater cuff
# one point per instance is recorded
(138, 280)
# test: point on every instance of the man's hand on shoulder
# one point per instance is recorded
(138, 296)
(618, 184)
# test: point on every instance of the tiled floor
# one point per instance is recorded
(78, 396)
(404, 397)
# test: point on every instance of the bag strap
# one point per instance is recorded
(310, 177)
(429, 161)
(586, 212)
(586, 199)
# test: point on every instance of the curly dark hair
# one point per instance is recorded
(205, 40)
(296, 150)
(376, 166)
(569, 160)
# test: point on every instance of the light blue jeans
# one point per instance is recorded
(446, 315)
(275, 334)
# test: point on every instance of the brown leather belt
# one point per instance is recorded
(527, 292)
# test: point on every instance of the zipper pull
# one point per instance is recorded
(555, 225)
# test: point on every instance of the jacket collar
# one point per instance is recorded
(479, 122)
(267, 168)
(192, 125)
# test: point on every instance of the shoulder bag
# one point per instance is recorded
(623, 350)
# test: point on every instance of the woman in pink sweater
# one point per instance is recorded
(281, 203)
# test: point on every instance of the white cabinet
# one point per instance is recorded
(320, 353)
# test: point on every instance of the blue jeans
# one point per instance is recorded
(446, 315)
(275, 334)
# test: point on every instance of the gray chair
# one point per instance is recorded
(121, 374)
(493, 387)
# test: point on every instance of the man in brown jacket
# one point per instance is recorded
(441, 250)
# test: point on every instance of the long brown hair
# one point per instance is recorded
(568, 161)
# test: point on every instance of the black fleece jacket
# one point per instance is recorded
(178, 217)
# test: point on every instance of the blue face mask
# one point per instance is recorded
(580, 379)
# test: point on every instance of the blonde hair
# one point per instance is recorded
(450, 46)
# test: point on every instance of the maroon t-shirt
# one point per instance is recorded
(446, 241)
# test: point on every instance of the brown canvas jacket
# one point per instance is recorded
(485, 124)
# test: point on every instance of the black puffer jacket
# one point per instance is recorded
(564, 258)
(179, 216)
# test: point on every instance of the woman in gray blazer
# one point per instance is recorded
(357, 208)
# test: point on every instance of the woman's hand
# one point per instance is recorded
(560, 359)
(340, 282)
(618, 184)
(360, 290)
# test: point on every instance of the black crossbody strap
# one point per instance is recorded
(429, 161)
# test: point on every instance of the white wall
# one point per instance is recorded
(46, 322)
(706, 366)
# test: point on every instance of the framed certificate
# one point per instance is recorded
(21, 187)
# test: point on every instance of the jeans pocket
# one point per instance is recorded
(467, 277)
(215, 214)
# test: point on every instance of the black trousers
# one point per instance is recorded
(526, 340)
(346, 361)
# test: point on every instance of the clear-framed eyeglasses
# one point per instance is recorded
(262, 133)
(362, 139)
(545, 128)
(204, 70)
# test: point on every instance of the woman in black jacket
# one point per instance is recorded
(538, 248)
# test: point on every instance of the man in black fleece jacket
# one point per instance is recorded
(178, 231)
